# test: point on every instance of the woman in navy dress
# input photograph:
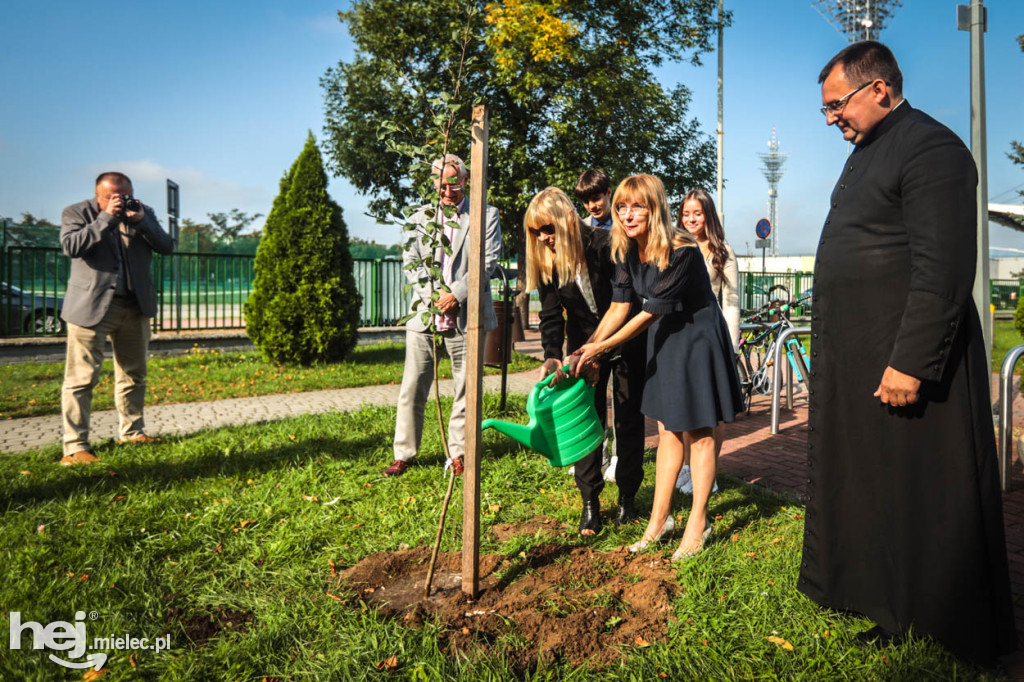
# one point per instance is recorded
(691, 384)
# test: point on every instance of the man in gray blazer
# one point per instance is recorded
(451, 324)
(110, 240)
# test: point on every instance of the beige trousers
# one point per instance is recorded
(129, 331)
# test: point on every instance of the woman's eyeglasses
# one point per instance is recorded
(624, 209)
(543, 229)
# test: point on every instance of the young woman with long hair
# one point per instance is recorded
(697, 215)
(570, 265)
(691, 384)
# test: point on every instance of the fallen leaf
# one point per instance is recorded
(494, 508)
(465, 631)
(828, 633)
(25, 473)
(219, 548)
(40, 528)
(718, 517)
(334, 501)
(247, 522)
(118, 498)
(735, 538)
(775, 540)
(390, 664)
(781, 642)
(334, 569)
(133, 659)
(370, 590)
(662, 674)
(797, 516)
(704, 642)
(640, 641)
(750, 554)
(291, 437)
(335, 598)
(91, 674)
(772, 583)
(311, 498)
(367, 485)
(84, 576)
(80, 524)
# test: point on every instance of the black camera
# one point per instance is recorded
(130, 203)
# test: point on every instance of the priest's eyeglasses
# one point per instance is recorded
(836, 106)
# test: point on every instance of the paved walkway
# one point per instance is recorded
(18, 435)
(749, 453)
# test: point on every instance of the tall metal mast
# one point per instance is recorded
(857, 19)
(772, 162)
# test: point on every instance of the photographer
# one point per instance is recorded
(110, 240)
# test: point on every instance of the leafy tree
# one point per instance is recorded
(304, 305)
(229, 226)
(360, 248)
(197, 237)
(29, 219)
(568, 83)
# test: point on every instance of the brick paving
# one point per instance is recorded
(749, 452)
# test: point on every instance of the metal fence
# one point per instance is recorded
(195, 291)
(201, 291)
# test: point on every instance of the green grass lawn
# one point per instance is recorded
(237, 527)
(28, 390)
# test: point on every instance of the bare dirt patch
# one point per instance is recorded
(551, 602)
(200, 627)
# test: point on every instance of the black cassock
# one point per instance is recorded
(904, 519)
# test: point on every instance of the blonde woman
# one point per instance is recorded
(697, 215)
(570, 265)
(691, 384)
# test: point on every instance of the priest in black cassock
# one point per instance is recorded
(904, 519)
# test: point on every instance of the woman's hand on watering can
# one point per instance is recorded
(584, 363)
(553, 366)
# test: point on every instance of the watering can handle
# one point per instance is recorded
(543, 382)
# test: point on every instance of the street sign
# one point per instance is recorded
(763, 244)
(763, 229)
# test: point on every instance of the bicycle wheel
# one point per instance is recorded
(746, 387)
(800, 359)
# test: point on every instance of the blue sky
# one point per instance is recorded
(219, 96)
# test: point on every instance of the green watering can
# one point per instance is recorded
(563, 422)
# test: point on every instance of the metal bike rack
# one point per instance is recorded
(1006, 414)
(780, 348)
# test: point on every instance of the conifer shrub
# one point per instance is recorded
(304, 306)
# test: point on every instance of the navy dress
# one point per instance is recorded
(691, 380)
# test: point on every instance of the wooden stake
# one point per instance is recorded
(474, 354)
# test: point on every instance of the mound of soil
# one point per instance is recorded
(554, 601)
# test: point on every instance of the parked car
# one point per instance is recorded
(23, 313)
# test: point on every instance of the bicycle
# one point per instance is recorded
(757, 349)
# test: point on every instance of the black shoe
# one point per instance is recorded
(591, 517)
(626, 513)
(878, 637)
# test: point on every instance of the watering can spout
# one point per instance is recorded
(527, 434)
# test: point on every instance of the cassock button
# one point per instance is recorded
(815, 335)
(834, 204)
(945, 340)
(850, 168)
(843, 186)
(953, 324)
(828, 220)
(814, 353)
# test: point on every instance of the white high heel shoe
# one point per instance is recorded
(644, 542)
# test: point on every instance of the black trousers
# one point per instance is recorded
(627, 375)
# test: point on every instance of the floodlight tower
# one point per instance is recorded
(772, 161)
(857, 19)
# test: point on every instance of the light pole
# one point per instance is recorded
(974, 18)
(721, 128)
